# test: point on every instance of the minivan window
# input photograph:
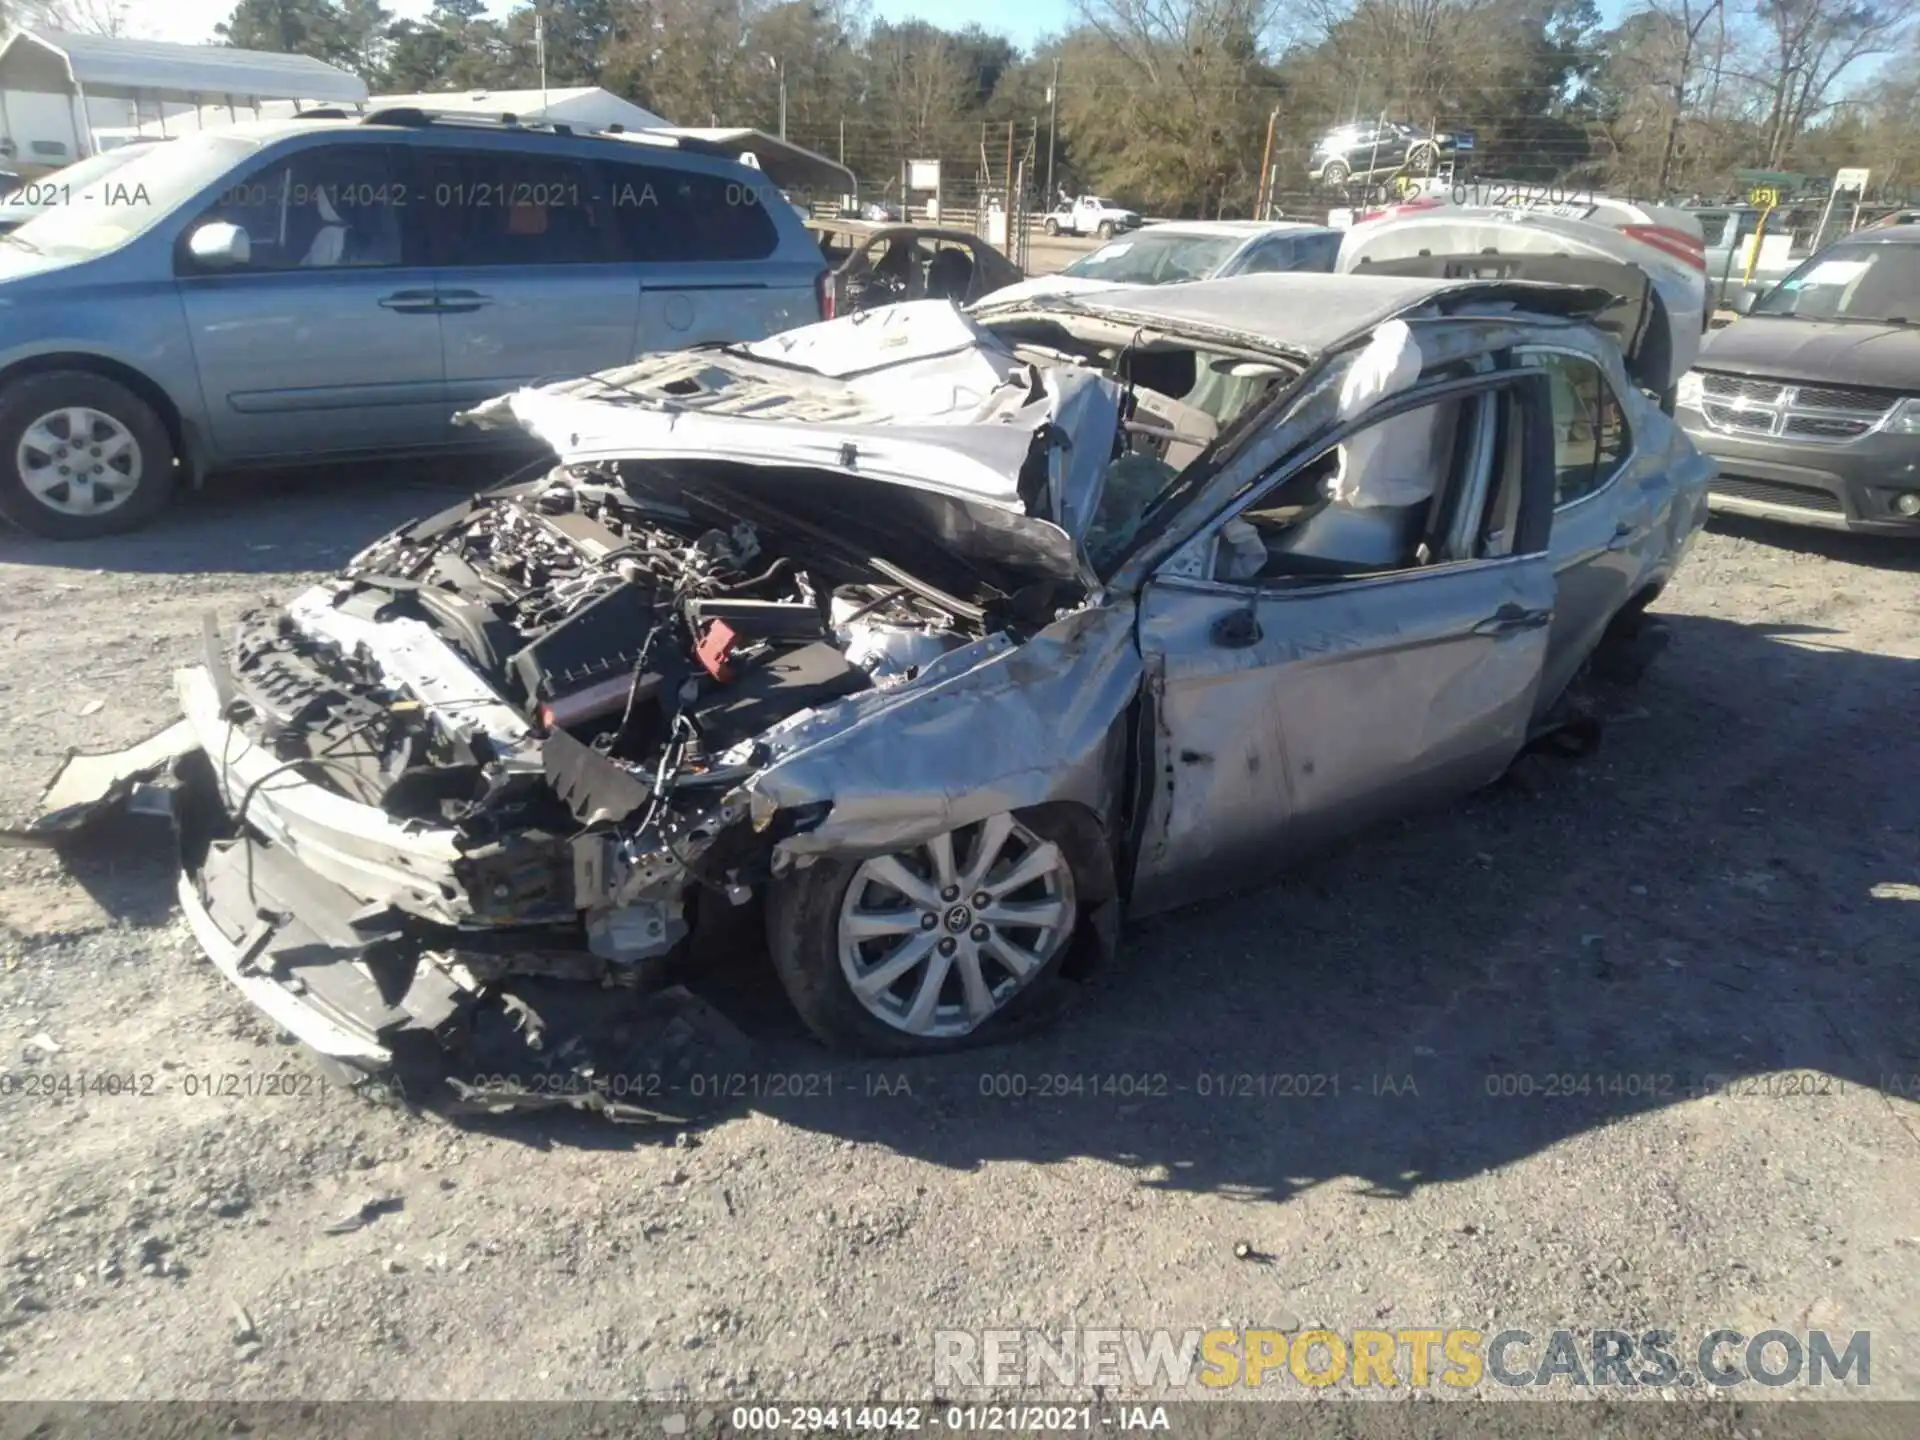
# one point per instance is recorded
(137, 196)
(666, 214)
(1871, 283)
(319, 208)
(512, 207)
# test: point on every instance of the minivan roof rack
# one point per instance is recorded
(415, 117)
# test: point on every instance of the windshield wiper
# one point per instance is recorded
(13, 239)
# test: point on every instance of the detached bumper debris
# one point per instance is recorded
(88, 785)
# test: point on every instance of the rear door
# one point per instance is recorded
(327, 342)
(706, 244)
(529, 280)
(1293, 706)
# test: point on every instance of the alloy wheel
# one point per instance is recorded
(937, 939)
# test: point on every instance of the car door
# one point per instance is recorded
(1291, 707)
(1600, 520)
(702, 242)
(528, 279)
(326, 341)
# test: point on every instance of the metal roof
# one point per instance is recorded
(578, 104)
(104, 67)
(790, 166)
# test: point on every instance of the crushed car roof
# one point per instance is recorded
(1301, 313)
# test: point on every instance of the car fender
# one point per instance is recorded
(996, 726)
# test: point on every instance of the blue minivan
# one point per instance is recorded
(321, 289)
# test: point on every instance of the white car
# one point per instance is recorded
(1583, 243)
(1179, 250)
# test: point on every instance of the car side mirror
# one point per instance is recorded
(220, 245)
(1744, 302)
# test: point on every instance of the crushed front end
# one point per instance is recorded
(496, 769)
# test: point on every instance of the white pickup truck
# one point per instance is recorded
(1089, 215)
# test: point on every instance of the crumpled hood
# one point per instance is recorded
(1832, 352)
(915, 395)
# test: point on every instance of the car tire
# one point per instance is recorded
(1051, 226)
(38, 416)
(816, 952)
(1104, 230)
(1335, 173)
(1422, 159)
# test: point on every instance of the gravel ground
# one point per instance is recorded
(1729, 887)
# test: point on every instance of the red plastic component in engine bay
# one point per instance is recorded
(715, 650)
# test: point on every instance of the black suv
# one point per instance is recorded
(1376, 147)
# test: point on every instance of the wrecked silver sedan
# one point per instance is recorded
(940, 641)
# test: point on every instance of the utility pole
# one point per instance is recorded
(1053, 127)
(1263, 197)
(1008, 207)
(540, 49)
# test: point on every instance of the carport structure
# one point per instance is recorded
(159, 73)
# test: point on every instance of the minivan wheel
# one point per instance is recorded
(1335, 173)
(952, 943)
(81, 456)
(1421, 159)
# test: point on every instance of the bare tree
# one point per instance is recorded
(1809, 44)
(81, 17)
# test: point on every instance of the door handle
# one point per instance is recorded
(1512, 619)
(410, 302)
(461, 302)
(1235, 630)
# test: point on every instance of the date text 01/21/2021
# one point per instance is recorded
(145, 1084)
(476, 195)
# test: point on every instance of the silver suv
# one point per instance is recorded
(323, 289)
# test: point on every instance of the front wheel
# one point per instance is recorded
(1422, 159)
(1105, 230)
(81, 456)
(955, 942)
(1336, 173)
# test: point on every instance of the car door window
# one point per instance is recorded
(325, 207)
(667, 214)
(1590, 441)
(1317, 252)
(1271, 256)
(506, 207)
(1295, 529)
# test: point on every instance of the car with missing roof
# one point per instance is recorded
(323, 289)
(881, 263)
(1810, 403)
(934, 642)
(1171, 252)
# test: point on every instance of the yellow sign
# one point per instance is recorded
(1765, 196)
